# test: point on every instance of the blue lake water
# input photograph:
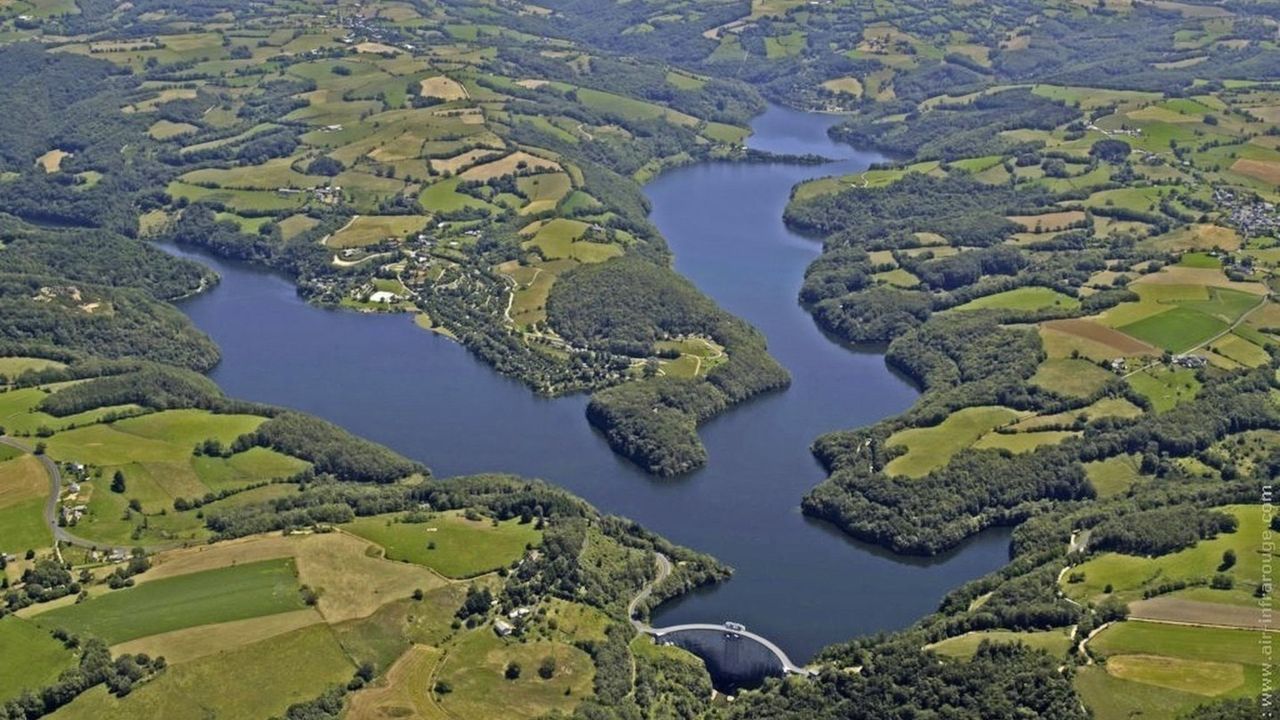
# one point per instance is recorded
(798, 582)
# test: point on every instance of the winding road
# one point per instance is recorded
(60, 534)
(664, 570)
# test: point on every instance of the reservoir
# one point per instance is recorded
(798, 582)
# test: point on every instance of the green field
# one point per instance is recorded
(31, 658)
(12, 367)
(1071, 377)
(1130, 575)
(212, 596)
(1178, 329)
(1055, 642)
(1161, 670)
(259, 680)
(463, 548)
(24, 486)
(1165, 387)
(1113, 475)
(1024, 298)
(931, 447)
(475, 668)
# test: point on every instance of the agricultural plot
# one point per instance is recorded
(449, 543)
(931, 447)
(1026, 299)
(963, 647)
(1162, 670)
(159, 606)
(1114, 475)
(266, 676)
(1074, 378)
(366, 230)
(1165, 387)
(32, 658)
(1090, 339)
(562, 238)
(1130, 575)
(24, 488)
(475, 670)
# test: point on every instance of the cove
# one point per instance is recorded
(798, 582)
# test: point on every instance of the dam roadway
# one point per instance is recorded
(730, 629)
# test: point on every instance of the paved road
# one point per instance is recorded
(60, 534)
(664, 569)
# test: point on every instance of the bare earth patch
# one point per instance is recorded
(1263, 170)
(1121, 344)
(1196, 612)
(442, 87)
(508, 166)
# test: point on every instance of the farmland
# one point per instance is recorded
(450, 544)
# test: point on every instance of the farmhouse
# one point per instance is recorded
(1189, 361)
(502, 628)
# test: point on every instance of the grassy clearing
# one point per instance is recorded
(931, 447)
(12, 367)
(1075, 378)
(1054, 642)
(212, 596)
(560, 239)
(1130, 575)
(475, 670)
(256, 681)
(406, 691)
(1023, 441)
(1166, 388)
(31, 659)
(24, 486)
(1113, 476)
(370, 229)
(462, 548)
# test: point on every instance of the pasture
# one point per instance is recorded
(930, 448)
(1130, 575)
(212, 596)
(254, 681)
(475, 666)
(1161, 670)
(1114, 475)
(1024, 299)
(561, 238)
(1073, 378)
(962, 647)
(32, 658)
(24, 485)
(1165, 387)
(462, 547)
(365, 230)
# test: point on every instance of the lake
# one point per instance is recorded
(799, 582)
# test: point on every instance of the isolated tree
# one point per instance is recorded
(1228, 560)
(117, 482)
(513, 670)
(547, 669)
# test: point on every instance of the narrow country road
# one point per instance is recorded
(664, 570)
(60, 534)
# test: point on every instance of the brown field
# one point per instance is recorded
(464, 160)
(1269, 113)
(1196, 612)
(22, 479)
(1199, 237)
(444, 88)
(349, 572)
(1206, 277)
(532, 84)
(1263, 170)
(1099, 337)
(52, 160)
(377, 48)
(508, 165)
(1049, 221)
(196, 642)
(405, 692)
